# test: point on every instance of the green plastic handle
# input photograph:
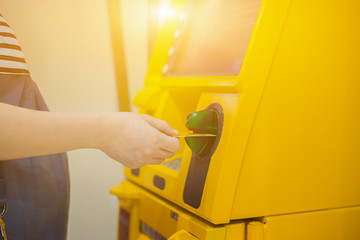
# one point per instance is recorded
(205, 121)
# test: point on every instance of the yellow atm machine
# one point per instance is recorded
(278, 83)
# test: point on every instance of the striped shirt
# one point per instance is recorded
(12, 60)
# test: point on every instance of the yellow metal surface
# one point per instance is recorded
(291, 116)
(235, 231)
(162, 217)
(182, 235)
(165, 219)
(171, 222)
(129, 201)
(303, 151)
(255, 231)
(148, 99)
(319, 225)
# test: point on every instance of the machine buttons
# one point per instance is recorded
(159, 182)
(135, 171)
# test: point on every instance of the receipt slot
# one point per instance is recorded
(211, 121)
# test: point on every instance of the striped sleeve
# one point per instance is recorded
(12, 60)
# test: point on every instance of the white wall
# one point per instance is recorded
(68, 50)
(135, 28)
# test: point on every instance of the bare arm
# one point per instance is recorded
(132, 139)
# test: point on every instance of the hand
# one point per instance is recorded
(136, 140)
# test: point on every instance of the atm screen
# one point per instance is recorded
(212, 38)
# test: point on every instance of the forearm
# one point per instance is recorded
(132, 139)
(25, 133)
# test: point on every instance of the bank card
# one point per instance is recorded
(191, 134)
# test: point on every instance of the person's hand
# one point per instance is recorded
(136, 140)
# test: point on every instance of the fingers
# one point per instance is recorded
(141, 140)
(160, 125)
(165, 154)
(155, 161)
(161, 154)
(163, 148)
(169, 144)
(154, 143)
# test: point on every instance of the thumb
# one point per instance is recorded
(160, 125)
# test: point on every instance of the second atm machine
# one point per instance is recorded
(278, 83)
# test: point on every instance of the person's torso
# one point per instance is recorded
(37, 188)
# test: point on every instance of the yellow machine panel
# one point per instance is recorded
(289, 141)
(278, 83)
(144, 216)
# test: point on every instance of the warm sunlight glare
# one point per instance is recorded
(165, 12)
